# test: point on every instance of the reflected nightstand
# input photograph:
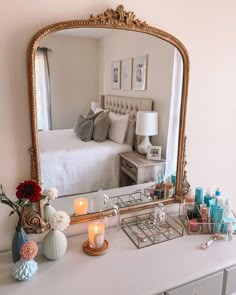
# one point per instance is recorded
(136, 169)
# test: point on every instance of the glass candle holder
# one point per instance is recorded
(80, 206)
(96, 233)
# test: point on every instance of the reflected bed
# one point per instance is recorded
(74, 166)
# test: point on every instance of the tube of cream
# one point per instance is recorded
(218, 215)
(213, 208)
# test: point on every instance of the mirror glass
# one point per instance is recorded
(74, 69)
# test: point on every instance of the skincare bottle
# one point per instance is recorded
(198, 195)
(217, 192)
(204, 213)
(207, 197)
(227, 208)
(230, 232)
(220, 200)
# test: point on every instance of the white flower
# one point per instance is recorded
(51, 193)
(59, 220)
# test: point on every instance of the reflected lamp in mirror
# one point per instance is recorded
(95, 105)
(146, 125)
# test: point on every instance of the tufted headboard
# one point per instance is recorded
(125, 105)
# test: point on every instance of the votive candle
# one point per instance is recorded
(81, 206)
(96, 232)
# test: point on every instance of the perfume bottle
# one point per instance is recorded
(230, 231)
(160, 213)
(168, 189)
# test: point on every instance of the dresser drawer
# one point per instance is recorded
(230, 280)
(129, 167)
(210, 285)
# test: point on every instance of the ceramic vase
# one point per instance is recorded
(24, 269)
(48, 211)
(54, 245)
(18, 240)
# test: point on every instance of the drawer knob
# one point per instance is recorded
(128, 165)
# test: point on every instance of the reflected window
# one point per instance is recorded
(42, 83)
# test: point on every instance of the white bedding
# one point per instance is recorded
(74, 166)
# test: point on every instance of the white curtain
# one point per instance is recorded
(42, 83)
(173, 130)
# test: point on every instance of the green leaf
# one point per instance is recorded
(6, 202)
(12, 212)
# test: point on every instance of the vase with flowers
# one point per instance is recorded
(55, 243)
(27, 193)
(50, 194)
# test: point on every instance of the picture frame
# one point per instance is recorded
(126, 74)
(154, 153)
(115, 75)
(139, 72)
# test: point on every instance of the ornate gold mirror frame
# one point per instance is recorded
(113, 19)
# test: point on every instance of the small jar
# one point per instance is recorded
(160, 213)
(189, 203)
(193, 225)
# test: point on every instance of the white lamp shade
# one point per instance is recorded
(94, 105)
(147, 123)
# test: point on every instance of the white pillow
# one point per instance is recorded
(118, 127)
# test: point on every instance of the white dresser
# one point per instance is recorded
(177, 267)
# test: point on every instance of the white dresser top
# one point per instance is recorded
(124, 270)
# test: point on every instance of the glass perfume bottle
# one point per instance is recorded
(160, 213)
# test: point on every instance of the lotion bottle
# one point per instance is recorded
(227, 208)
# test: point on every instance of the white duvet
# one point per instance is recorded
(74, 166)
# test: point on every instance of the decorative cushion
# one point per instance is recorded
(101, 127)
(84, 128)
(89, 113)
(97, 110)
(130, 133)
(118, 127)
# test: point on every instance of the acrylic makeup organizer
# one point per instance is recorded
(145, 230)
(196, 226)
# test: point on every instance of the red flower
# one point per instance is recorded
(30, 190)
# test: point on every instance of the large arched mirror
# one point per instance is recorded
(91, 82)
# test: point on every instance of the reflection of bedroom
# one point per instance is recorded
(80, 72)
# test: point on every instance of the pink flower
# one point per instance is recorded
(28, 250)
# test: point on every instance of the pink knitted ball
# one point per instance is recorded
(29, 250)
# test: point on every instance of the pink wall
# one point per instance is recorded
(207, 30)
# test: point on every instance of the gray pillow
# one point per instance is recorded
(89, 113)
(84, 128)
(130, 133)
(93, 116)
(101, 127)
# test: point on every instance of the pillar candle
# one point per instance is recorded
(96, 232)
(80, 206)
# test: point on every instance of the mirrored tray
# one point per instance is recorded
(145, 230)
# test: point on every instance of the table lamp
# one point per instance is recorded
(146, 125)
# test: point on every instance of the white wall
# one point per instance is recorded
(120, 45)
(207, 30)
(73, 75)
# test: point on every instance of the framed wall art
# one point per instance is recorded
(115, 75)
(126, 74)
(139, 72)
